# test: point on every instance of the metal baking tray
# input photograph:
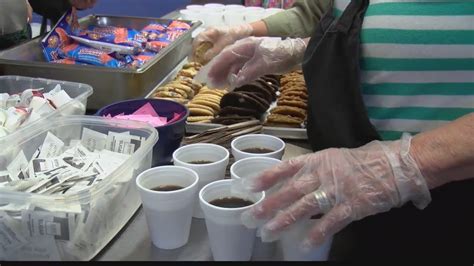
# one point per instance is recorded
(196, 128)
(110, 84)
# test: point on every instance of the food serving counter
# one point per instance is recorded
(134, 241)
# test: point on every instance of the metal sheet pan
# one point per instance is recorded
(110, 84)
(196, 128)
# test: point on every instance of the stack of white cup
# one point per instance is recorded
(212, 15)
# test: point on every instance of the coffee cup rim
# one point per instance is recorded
(148, 190)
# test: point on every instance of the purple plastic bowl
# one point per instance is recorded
(169, 136)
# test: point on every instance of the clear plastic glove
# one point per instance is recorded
(251, 58)
(345, 184)
(220, 37)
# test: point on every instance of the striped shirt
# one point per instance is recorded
(417, 63)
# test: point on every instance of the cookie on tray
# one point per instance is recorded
(289, 110)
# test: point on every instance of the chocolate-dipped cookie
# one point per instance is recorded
(231, 110)
(232, 119)
(238, 99)
(259, 98)
(255, 87)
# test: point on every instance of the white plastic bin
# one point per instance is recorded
(84, 222)
(79, 92)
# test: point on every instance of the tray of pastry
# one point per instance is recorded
(278, 102)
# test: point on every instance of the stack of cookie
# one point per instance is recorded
(248, 102)
(183, 88)
(205, 105)
(291, 109)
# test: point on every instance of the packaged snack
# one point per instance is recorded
(156, 46)
(67, 61)
(59, 36)
(111, 39)
(89, 55)
(141, 58)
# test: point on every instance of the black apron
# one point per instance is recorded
(337, 117)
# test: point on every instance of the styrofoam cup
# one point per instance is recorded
(234, 17)
(215, 6)
(187, 14)
(260, 141)
(168, 213)
(230, 240)
(212, 18)
(235, 7)
(291, 241)
(251, 167)
(195, 7)
(254, 13)
(207, 172)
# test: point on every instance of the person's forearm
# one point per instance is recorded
(259, 28)
(446, 154)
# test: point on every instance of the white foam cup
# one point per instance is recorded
(257, 141)
(168, 213)
(218, 155)
(230, 240)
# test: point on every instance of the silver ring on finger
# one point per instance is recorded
(323, 201)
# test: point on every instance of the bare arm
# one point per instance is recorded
(446, 154)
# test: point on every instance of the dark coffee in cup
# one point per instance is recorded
(258, 150)
(200, 162)
(167, 188)
(231, 202)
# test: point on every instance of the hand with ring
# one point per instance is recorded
(344, 184)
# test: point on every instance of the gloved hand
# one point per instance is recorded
(220, 37)
(345, 184)
(251, 58)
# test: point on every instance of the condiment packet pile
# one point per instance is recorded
(59, 169)
(77, 226)
(17, 110)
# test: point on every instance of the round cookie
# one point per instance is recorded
(284, 119)
(231, 110)
(258, 98)
(237, 99)
(168, 94)
(170, 89)
(289, 110)
(300, 94)
(255, 87)
(192, 105)
(201, 51)
(291, 98)
(293, 88)
(196, 119)
(272, 89)
(299, 104)
(194, 65)
(200, 112)
(190, 73)
(212, 105)
(273, 79)
(233, 119)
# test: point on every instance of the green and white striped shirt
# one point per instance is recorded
(417, 63)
